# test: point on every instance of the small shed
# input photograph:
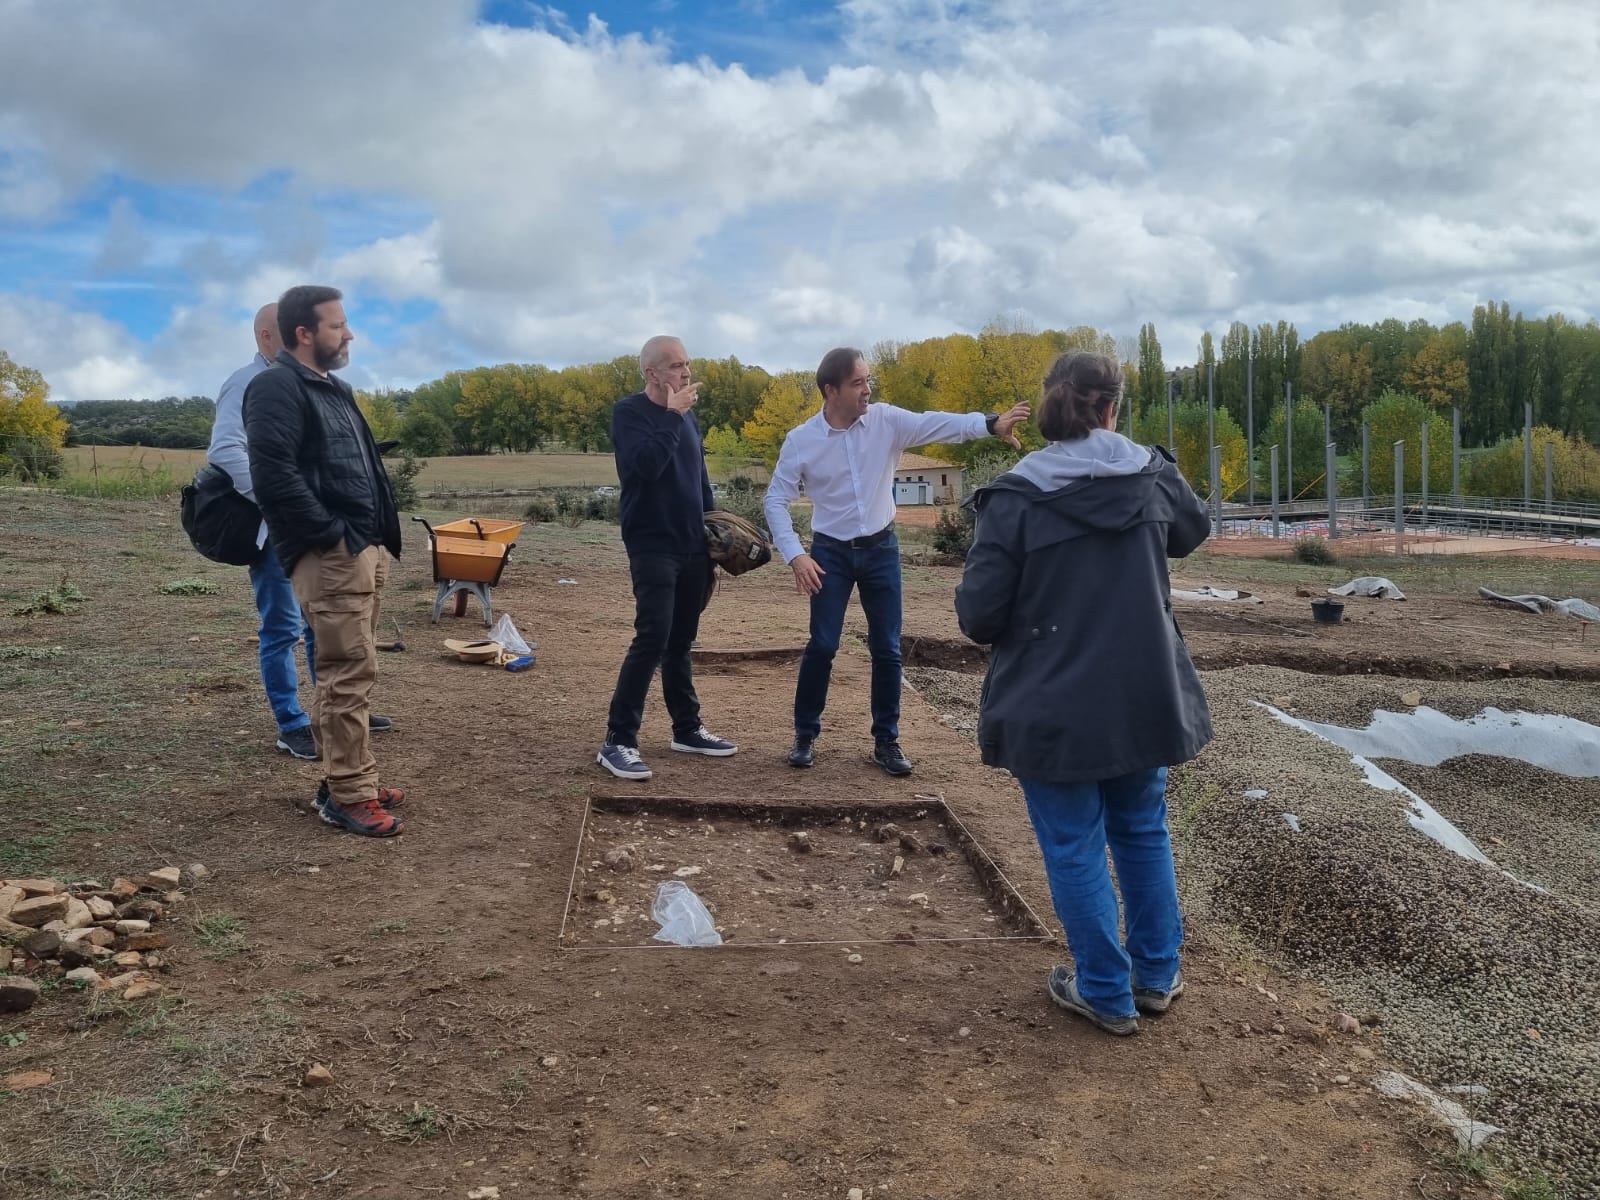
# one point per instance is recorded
(919, 479)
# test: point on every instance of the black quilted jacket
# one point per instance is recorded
(317, 473)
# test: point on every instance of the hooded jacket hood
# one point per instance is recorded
(1100, 483)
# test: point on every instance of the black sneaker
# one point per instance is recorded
(804, 751)
(891, 758)
(703, 741)
(299, 742)
(378, 723)
(623, 761)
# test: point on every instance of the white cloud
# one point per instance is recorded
(578, 191)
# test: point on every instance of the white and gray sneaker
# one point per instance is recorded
(703, 741)
(623, 761)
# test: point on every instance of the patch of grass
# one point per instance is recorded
(57, 600)
(422, 1121)
(10, 1041)
(514, 1084)
(189, 587)
(1473, 1165)
(391, 925)
(1535, 1185)
(29, 857)
(151, 1128)
(155, 1019)
(134, 483)
(220, 936)
(30, 653)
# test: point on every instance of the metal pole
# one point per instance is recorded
(1275, 525)
(1399, 495)
(1250, 422)
(1424, 474)
(1211, 405)
(1366, 466)
(1527, 455)
(1455, 456)
(1172, 440)
(1333, 491)
(1216, 490)
(1327, 422)
(1549, 477)
(1288, 438)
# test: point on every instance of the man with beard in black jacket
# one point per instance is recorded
(331, 515)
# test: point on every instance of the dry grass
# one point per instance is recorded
(442, 476)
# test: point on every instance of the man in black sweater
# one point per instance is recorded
(665, 496)
(331, 515)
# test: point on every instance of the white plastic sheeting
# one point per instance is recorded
(1578, 610)
(1370, 585)
(1207, 592)
(1447, 1114)
(1424, 818)
(1428, 737)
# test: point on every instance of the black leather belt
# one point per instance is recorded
(861, 543)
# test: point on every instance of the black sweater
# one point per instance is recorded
(665, 489)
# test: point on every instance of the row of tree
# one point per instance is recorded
(170, 423)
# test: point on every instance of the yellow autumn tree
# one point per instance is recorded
(32, 430)
(25, 408)
(789, 399)
(1438, 374)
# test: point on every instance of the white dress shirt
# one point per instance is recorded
(228, 446)
(849, 473)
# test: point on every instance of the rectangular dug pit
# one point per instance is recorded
(782, 873)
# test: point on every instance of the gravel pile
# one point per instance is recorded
(1478, 979)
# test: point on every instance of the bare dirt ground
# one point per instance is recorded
(469, 1051)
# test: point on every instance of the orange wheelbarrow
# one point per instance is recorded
(469, 557)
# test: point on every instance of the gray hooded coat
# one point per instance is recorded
(1089, 677)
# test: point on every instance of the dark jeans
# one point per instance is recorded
(667, 592)
(876, 572)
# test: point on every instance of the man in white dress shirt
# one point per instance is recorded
(845, 458)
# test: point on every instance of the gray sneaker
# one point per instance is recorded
(299, 742)
(1153, 1000)
(1063, 989)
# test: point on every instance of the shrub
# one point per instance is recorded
(1315, 551)
(31, 459)
(952, 532)
(741, 484)
(1498, 470)
(404, 479)
(540, 509)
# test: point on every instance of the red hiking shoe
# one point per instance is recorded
(368, 818)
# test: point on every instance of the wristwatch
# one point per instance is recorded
(990, 421)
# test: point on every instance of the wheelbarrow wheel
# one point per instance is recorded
(461, 604)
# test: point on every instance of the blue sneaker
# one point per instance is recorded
(1063, 989)
(703, 741)
(622, 761)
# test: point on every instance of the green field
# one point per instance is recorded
(471, 475)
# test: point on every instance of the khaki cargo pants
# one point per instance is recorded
(340, 596)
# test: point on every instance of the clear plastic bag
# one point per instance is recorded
(506, 634)
(684, 920)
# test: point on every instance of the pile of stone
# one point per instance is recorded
(89, 935)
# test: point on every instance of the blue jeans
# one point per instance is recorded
(1075, 822)
(876, 572)
(281, 627)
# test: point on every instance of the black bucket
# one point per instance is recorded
(1327, 612)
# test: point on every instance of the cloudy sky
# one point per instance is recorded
(511, 181)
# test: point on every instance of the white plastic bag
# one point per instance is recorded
(683, 918)
(506, 634)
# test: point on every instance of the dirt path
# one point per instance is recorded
(468, 1051)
